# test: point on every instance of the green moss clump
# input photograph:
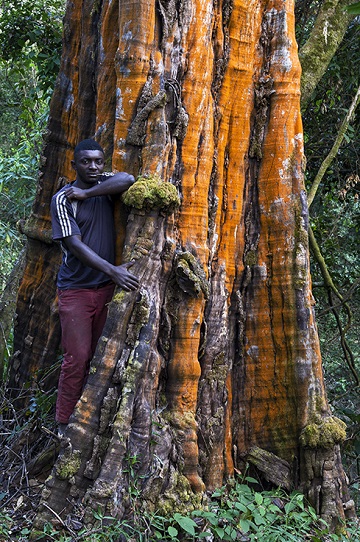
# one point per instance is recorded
(219, 371)
(179, 420)
(119, 296)
(151, 193)
(68, 465)
(179, 497)
(323, 433)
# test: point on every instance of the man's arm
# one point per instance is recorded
(117, 273)
(116, 184)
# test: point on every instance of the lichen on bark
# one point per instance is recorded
(139, 317)
(179, 496)
(137, 131)
(189, 274)
(68, 464)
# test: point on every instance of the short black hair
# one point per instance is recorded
(88, 145)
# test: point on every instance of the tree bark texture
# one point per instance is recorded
(7, 309)
(216, 356)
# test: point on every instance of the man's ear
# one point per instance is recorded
(73, 164)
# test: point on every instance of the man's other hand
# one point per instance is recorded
(72, 192)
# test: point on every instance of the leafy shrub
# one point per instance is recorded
(235, 513)
(18, 179)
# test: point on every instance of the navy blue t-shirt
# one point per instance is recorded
(93, 220)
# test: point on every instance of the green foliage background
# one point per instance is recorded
(30, 47)
(335, 220)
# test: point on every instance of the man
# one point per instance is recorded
(82, 220)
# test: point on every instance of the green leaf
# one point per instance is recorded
(220, 532)
(244, 525)
(240, 506)
(98, 515)
(258, 519)
(354, 9)
(217, 493)
(242, 488)
(186, 523)
(251, 480)
(172, 531)
(289, 507)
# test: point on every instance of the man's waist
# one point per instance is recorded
(76, 286)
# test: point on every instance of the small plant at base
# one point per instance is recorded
(235, 512)
(241, 513)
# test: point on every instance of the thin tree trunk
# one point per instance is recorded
(328, 31)
(334, 149)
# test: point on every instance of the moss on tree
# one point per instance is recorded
(323, 432)
(68, 465)
(151, 193)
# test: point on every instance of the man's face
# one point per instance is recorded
(89, 165)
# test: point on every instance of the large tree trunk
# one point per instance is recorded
(215, 361)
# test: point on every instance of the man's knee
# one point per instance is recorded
(77, 363)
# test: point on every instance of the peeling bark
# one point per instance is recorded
(217, 354)
(275, 470)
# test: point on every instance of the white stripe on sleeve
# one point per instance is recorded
(63, 214)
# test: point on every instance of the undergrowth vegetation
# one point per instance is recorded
(241, 511)
(236, 512)
(242, 515)
(18, 178)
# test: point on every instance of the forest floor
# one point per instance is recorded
(27, 457)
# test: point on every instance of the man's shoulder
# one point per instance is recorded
(61, 190)
(105, 175)
(60, 203)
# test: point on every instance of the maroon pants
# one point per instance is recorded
(82, 316)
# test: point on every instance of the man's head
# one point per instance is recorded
(88, 162)
(87, 145)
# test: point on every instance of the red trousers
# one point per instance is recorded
(82, 316)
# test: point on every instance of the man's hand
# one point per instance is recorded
(117, 273)
(72, 192)
(123, 278)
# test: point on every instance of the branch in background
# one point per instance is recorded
(333, 152)
(328, 282)
(345, 299)
(333, 291)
